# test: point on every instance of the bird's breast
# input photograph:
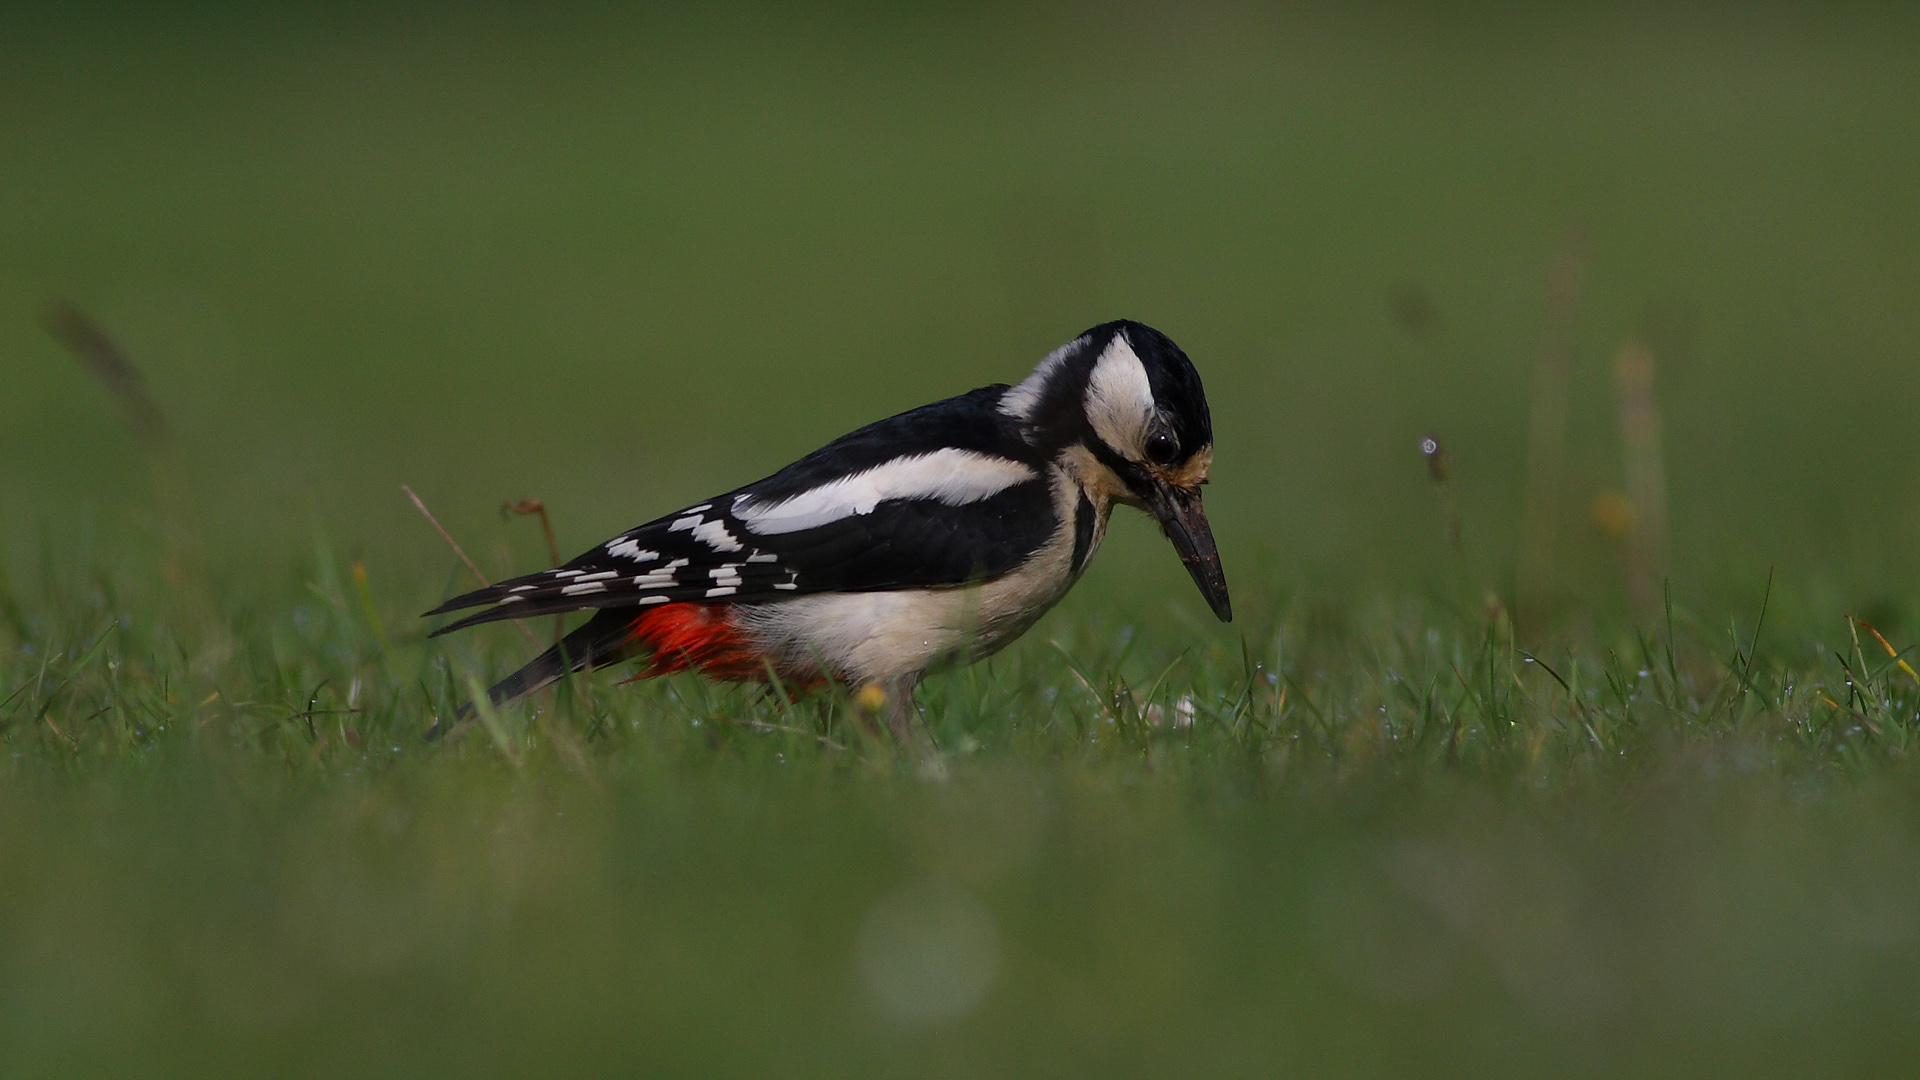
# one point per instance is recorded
(883, 635)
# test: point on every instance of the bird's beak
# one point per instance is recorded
(1185, 522)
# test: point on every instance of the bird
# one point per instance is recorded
(931, 538)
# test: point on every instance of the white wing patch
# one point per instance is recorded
(630, 549)
(715, 535)
(955, 477)
(1022, 398)
(1119, 400)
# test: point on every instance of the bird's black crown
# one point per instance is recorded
(1176, 385)
(1052, 401)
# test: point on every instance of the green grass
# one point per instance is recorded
(1429, 856)
(619, 261)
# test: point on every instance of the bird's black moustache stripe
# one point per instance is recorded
(1135, 476)
(1084, 519)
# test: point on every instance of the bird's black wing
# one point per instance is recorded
(934, 498)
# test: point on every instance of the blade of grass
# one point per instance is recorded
(364, 591)
(1881, 638)
(490, 720)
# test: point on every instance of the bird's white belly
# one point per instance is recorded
(881, 636)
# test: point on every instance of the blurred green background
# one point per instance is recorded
(622, 259)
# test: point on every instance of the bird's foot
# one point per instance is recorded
(893, 703)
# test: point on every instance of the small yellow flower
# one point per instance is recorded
(1613, 515)
(871, 697)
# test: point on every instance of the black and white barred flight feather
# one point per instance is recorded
(919, 500)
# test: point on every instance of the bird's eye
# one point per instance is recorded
(1161, 447)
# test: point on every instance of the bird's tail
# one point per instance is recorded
(606, 638)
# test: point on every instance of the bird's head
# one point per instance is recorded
(1127, 404)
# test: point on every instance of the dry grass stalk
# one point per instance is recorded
(182, 562)
(1440, 471)
(458, 550)
(1644, 465)
(536, 508)
(1536, 576)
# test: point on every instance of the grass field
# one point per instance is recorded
(1501, 775)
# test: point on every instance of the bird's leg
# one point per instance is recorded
(903, 715)
(911, 732)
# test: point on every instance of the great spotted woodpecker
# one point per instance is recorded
(935, 536)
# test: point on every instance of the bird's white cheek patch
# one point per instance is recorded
(1119, 399)
(954, 477)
